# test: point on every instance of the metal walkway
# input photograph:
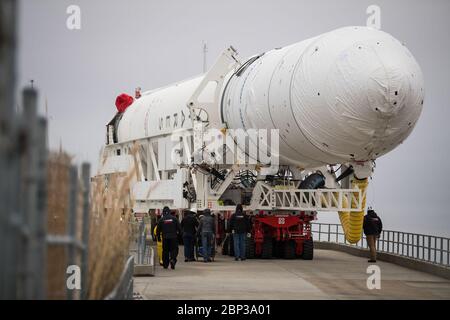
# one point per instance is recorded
(331, 275)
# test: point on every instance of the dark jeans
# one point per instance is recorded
(239, 245)
(170, 251)
(188, 240)
(207, 238)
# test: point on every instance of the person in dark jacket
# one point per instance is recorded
(239, 226)
(189, 226)
(207, 228)
(170, 228)
(372, 228)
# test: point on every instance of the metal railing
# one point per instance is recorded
(124, 288)
(427, 248)
(141, 244)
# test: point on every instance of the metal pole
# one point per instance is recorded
(8, 43)
(72, 220)
(417, 246)
(423, 247)
(41, 211)
(398, 242)
(205, 51)
(389, 247)
(85, 176)
(434, 249)
(30, 223)
(9, 180)
(141, 242)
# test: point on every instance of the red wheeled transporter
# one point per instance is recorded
(278, 235)
(281, 235)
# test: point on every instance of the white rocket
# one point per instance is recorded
(345, 97)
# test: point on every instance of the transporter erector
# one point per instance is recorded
(287, 133)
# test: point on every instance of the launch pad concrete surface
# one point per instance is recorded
(331, 275)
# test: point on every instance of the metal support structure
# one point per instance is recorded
(268, 198)
(85, 177)
(215, 76)
(226, 62)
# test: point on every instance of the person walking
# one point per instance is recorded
(170, 228)
(189, 226)
(372, 229)
(207, 228)
(239, 227)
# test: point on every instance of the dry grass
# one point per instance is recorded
(110, 232)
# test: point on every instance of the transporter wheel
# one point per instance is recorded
(308, 249)
(313, 181)
(267, 249)
(250, 248)
(289, 249)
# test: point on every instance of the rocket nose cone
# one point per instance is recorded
(370, 99)
(393, 79)
(377, 96)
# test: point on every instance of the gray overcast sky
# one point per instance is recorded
(148, 43)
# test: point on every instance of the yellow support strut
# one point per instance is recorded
(352, 222)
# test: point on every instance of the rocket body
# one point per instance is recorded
(352, 94)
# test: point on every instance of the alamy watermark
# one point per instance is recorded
(73, 21)
(374, 18)
(374, 280)
(73, 281)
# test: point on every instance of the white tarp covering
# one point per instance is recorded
(351, 94)
(354, 93)
(357, 91)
